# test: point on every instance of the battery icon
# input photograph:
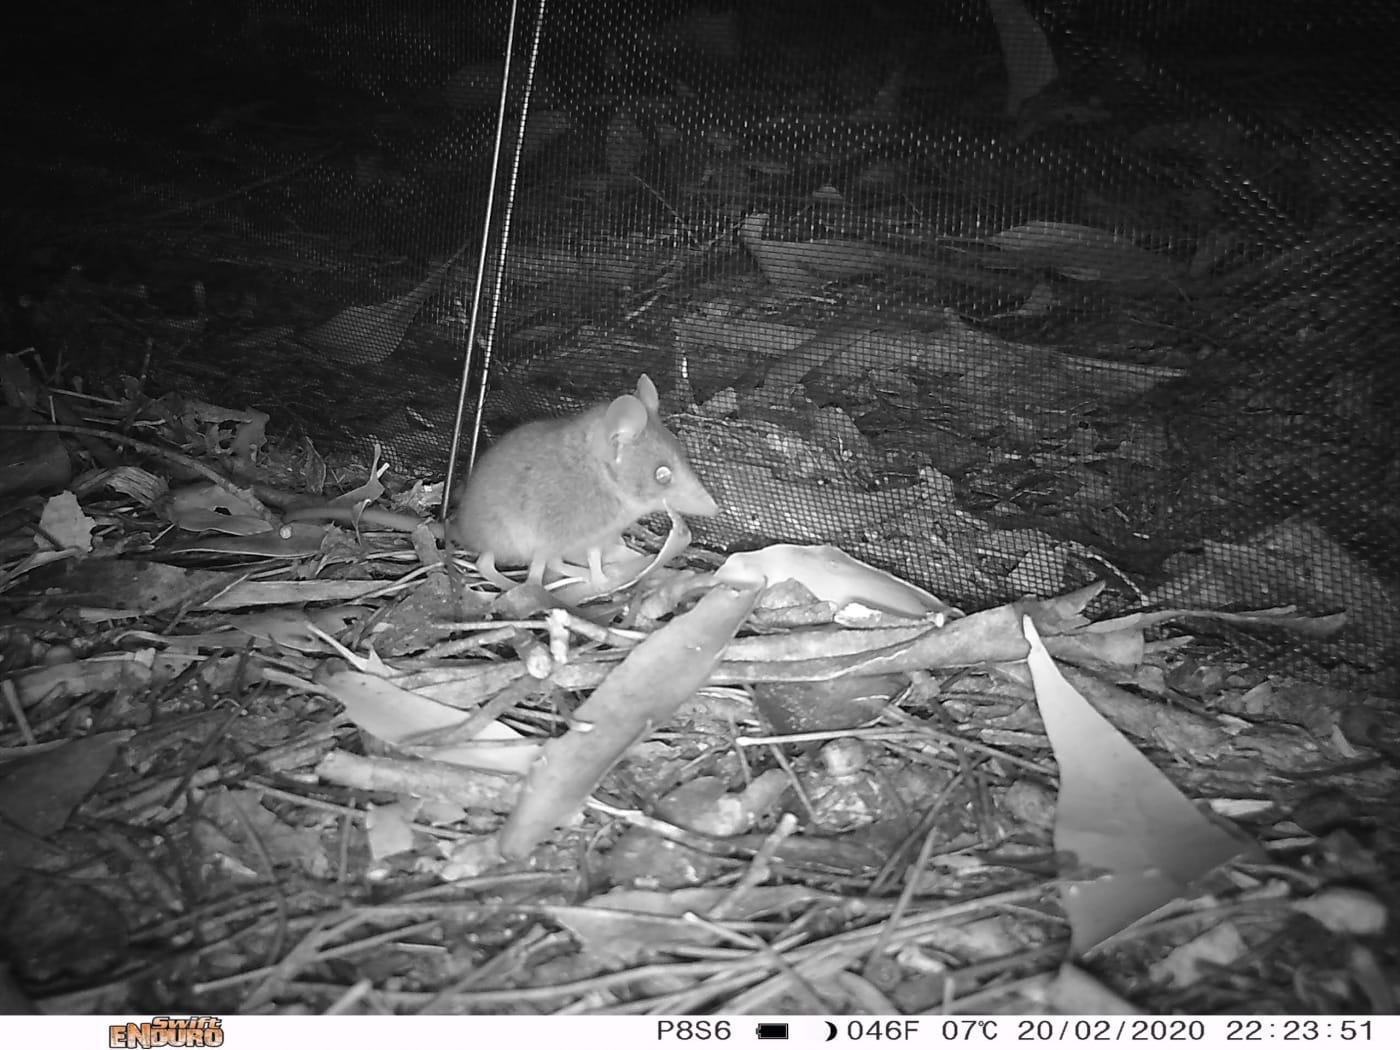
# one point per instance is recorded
(773, 1030)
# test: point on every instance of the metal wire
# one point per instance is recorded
(488, 340)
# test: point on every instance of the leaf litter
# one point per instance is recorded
(239, 757)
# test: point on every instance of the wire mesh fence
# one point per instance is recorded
(1001, 298)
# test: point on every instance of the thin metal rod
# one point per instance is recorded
(488, 341)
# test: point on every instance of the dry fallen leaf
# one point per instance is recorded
(1123, 820)
(1030, 61)
(1082, 253)
(643, 691)
(364, 334)
(39, 793)
(395, 715)
(63, 520)
(832, 575)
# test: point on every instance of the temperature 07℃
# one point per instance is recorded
(949, 1031)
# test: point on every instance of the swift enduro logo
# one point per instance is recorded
(166, 1031)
